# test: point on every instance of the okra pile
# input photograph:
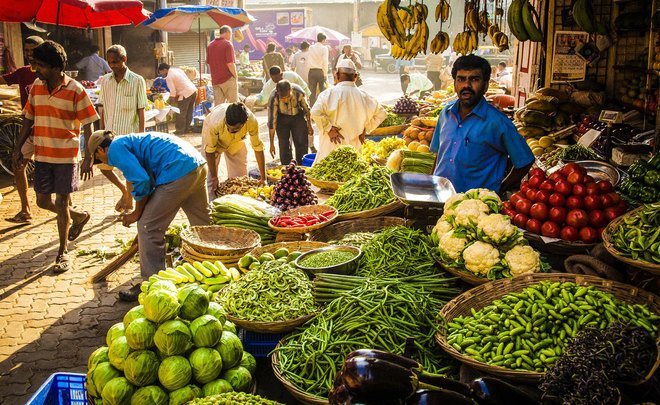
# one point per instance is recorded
(529, 330)
(638, 236)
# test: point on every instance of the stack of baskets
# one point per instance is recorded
(214, 242)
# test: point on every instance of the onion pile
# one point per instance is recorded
(293, 189)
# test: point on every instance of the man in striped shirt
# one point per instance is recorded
(124, 97)
(56, 107)
(288, 115)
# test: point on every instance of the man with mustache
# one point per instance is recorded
(474, 141)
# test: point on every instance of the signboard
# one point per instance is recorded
(271, 26)
(567, 65)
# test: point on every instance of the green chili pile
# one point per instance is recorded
(357, 239)
(371, 190)
(327, 258)
(638, 236)
(530, 329)
(275, 291)
(342, 164)
(397, 251)
(368, 316)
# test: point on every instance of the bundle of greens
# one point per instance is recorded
(342, 164)
(368, 191)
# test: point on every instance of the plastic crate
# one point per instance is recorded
(259, 344)
(308, 159)
(61, 389)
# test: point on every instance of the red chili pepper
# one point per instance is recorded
(313, 221)
(297, 226)
(328, 214)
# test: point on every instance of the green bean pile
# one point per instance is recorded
(342, 164)
(529, 330)
(357, 239)
(369, 316)
(638, 236)
(371, 190)
(273, 292)
(397, 251)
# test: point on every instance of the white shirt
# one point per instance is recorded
(300, 64)
(179, 84)
(418, 83)
(318, 56)
(263, 97)
(348, 108)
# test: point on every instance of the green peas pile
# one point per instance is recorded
(528, 330)
(232, 398)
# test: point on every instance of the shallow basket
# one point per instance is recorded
(485, 294)
(609, 245)
(325, 185)
(191, 256)
(560, 248)
(305, 210)
(218, 240)
(391, 130)
(270, 327)
(375, 212)
(302, 246)
(338, 230)
(301, 396)
(463, 275)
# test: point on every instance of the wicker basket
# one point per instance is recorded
(191, 257)
(301, 396)
(466, 276)
(609, 245)
(305, 210)
(289, 237)
(219, 240)
(391, 130)
(485, 294)
(375, 212)
(337, 230)
(325, 185)
(559, 248)
(302, 246)
(270, 327)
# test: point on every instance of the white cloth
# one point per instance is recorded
(300, 64)
(179, 84)
(348, 108)
(418, 83)
(270, 86)
(318, 57)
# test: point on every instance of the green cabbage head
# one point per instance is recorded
(239, 378)
(141, 367)
(133, 314)
(118, 352)
(114, 332)
(173, 337)
(216, 387)
(230, 349)
(217, 311)
(248, 361)
(165, 285)
(194, 301)
(185, 394)
(161, 305)
(206, 331)
(150, 395)
(98, 356)
(206, 364)
(174, 372)
(140, 334)
(99, 376)
(117, 391)
(229, 327)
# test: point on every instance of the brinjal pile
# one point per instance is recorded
(293, 189)
(405, 105)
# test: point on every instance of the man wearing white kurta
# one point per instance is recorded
(345, 113)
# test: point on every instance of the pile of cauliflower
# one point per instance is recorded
(472, 236)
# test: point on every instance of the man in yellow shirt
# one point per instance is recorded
(223, 132)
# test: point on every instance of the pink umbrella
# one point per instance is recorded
(309, 34)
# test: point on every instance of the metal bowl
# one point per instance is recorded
(72, 73)
(345, 268)
(601, 170)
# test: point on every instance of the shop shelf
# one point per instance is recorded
(61, 389)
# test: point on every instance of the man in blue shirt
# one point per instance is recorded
(165, 173)
(473, 140)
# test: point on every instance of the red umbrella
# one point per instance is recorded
(74, 13)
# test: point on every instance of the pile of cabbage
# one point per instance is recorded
(175, 347)
(472, 236)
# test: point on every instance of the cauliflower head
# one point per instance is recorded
(481, 257)
(496, 227)
(468, 212)
(452, 245)
(456, 198)
(441, 227)
(522, 260)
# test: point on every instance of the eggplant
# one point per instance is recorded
(493, 391)
(440, 397)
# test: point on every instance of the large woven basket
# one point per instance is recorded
(375, 212)
(337, 230)
(219, 240)
(485, 294)
(192, 256)
(560, 248)
(469, 278)
(270, 327)
(305, 210)
(301, 396)
(391, 130)
(325, 185)
(608, 243)
(302, 246)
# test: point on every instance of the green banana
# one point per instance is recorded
(583, 14)
(534, 32)
(514, 19)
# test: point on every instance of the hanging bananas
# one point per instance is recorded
(466, 42)
(390, 23)
(440, 42)
(524, 21)
(583, 14)
(404, 27)
(442, 11)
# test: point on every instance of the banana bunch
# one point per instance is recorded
(390, 24)
(404, 28)
(500, 39)
(524, 21)
(472, 19)
(583, 14)
(440, 42)
(442, 11)
(466, 42)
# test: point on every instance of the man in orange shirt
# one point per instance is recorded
(56, 107)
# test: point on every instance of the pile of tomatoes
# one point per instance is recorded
(568, 204)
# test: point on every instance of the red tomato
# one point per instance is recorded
(563, 187)
(535, 181)
(556, 176)
(597, 219)
(575, 178)
(520, 220)
(605, 186)
(606, 200)
(539, 211)
(579, 190)
(611, 213)
(577, 218)
(533, 226)
(557, 200)
(557, 214)
(616, 198)
(515, 197)
(592, 189)
(508, 212)
(573, 202)
(588, 179)
(524, 186)
(541, 196)
(523, 206)
(550, 229)
(621, 208)
(588, 235)
(507, 205)
(537, 172)
(569, 233)
(591, 202)
(570, 168)
(531, 193)
(548, 185)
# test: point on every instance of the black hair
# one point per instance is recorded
(472, 62)
(270, 47)
(106, 142)
(320, 37)
(283, 87)
(163, 66)
(304, 45)
(503, 64)
(93, 49)
(224, 29)
(405, 76)
(236, 114)
(246, 47)
(275, 70)
(51, 53)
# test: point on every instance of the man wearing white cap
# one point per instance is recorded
(345, 113)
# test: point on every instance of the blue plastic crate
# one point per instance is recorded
(308, 159)
(61, 389)
(259, 344)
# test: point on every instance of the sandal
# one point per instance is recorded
(76, 229)
(62, 264)
(20, 218)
